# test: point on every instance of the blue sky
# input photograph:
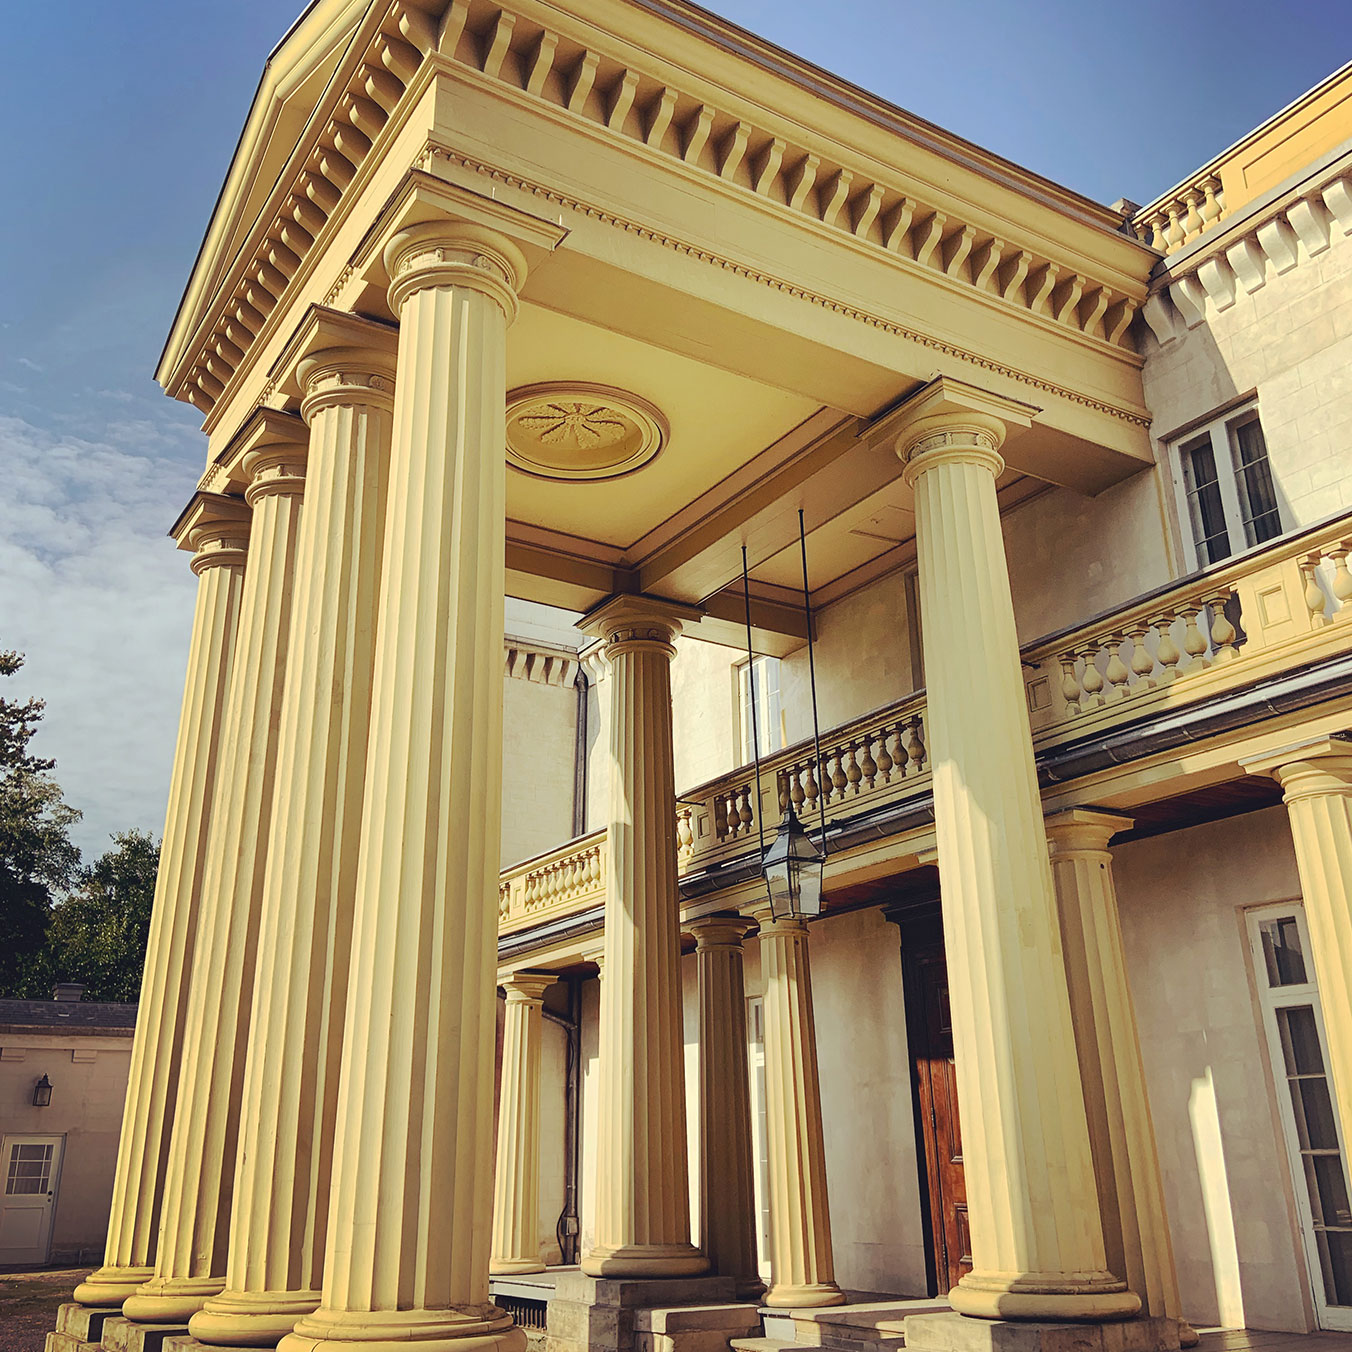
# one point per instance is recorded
(121, 119)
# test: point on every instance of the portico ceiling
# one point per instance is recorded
(768, 258)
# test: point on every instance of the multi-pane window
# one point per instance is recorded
(30, 1170)
(1294, 1021)
(1227, 486)
(763, 675)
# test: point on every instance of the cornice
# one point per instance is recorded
(539, 663)
(598, 84)
(1277, 234)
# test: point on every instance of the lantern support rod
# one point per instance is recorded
(751, 686)
(812, 679)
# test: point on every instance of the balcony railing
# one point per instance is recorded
(1271, 610)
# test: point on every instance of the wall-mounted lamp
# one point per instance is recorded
(42, 1093)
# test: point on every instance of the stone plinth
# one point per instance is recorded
(126, 1335)
(83, 1323)
(961, 1333)
(693, 1328)
(609, 1314)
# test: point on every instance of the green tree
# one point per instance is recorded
(38, 860)
(97, 933)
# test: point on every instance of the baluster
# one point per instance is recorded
(685, 836)
(1070, 683)
(884, 761)
(747, 816)
(839, 779)
(1091, 681)
(1314, 593)
(868, 767)
(1142, 664)
(915, 747)
(797, 794)
(782, 785)
(1116, 671)
(720, 816)
(1223, 633)
(594, 866)
(1167, 652)
(1193, 642)
(853, 774)
(1342, 580)
(811, 790)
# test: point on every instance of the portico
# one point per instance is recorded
(566, 305)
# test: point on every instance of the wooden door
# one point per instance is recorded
(931, 1030)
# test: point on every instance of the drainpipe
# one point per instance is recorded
(566, 1229)
(583, 686)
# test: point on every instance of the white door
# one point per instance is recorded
(31, 1167)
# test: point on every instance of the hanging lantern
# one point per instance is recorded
(792, 868)
(42, 1093)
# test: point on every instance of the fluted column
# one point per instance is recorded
(802, 1270)
(1121, 1134)
(280, 1210)
(727, 1191)
(1316, 780)
(410, 1215)
(217, 529)
(643, 1196)
(1037, 1240)
(516, 1195)
(194, 1222)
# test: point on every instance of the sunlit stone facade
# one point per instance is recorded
(567, 308)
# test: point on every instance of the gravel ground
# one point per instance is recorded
(28, 1302)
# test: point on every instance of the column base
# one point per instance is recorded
(1187, 1335)
(251, 1318)
(171, 1300)
(506, 1267)
(589, 1314)
(1044, 1297)
(127, 1335)
(468, 1328)
(808, 1295)
(645, 1260)
(958, 1333)
(111, 1285)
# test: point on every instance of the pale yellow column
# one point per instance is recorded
(280, 1210)
(802, 1270)
(642, 1184)
(516, 1195)
(195, 1219)
(1122, 1136)
(217, 529)
(410, 1216)
(1037, 1240)
(1316, 780)
(727, 1192)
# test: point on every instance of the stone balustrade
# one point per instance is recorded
(1171, 222)
(1270, 611)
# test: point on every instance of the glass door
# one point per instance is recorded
(1294, 1024)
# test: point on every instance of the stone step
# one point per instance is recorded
(759, 1345)
(865, 1326)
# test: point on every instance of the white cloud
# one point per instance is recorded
(101, 603)
(30, 364)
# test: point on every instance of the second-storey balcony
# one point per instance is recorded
(1154, 703)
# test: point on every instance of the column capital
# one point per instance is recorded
(949, 421)
(628, 621)
(336, 358)
(1310, 769)
(216, 529)
(527, 988)
(1083, 830)
(718, 932)
(455, 253)
(769, 923)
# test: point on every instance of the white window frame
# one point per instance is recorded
(1270, 999)
(1222, 432)
(771, 719)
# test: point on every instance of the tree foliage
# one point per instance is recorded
(97, 934)
(38, 860)
(61, 920)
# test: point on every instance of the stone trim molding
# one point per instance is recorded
(1269, 241)
(527, 661)
(640, 108)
